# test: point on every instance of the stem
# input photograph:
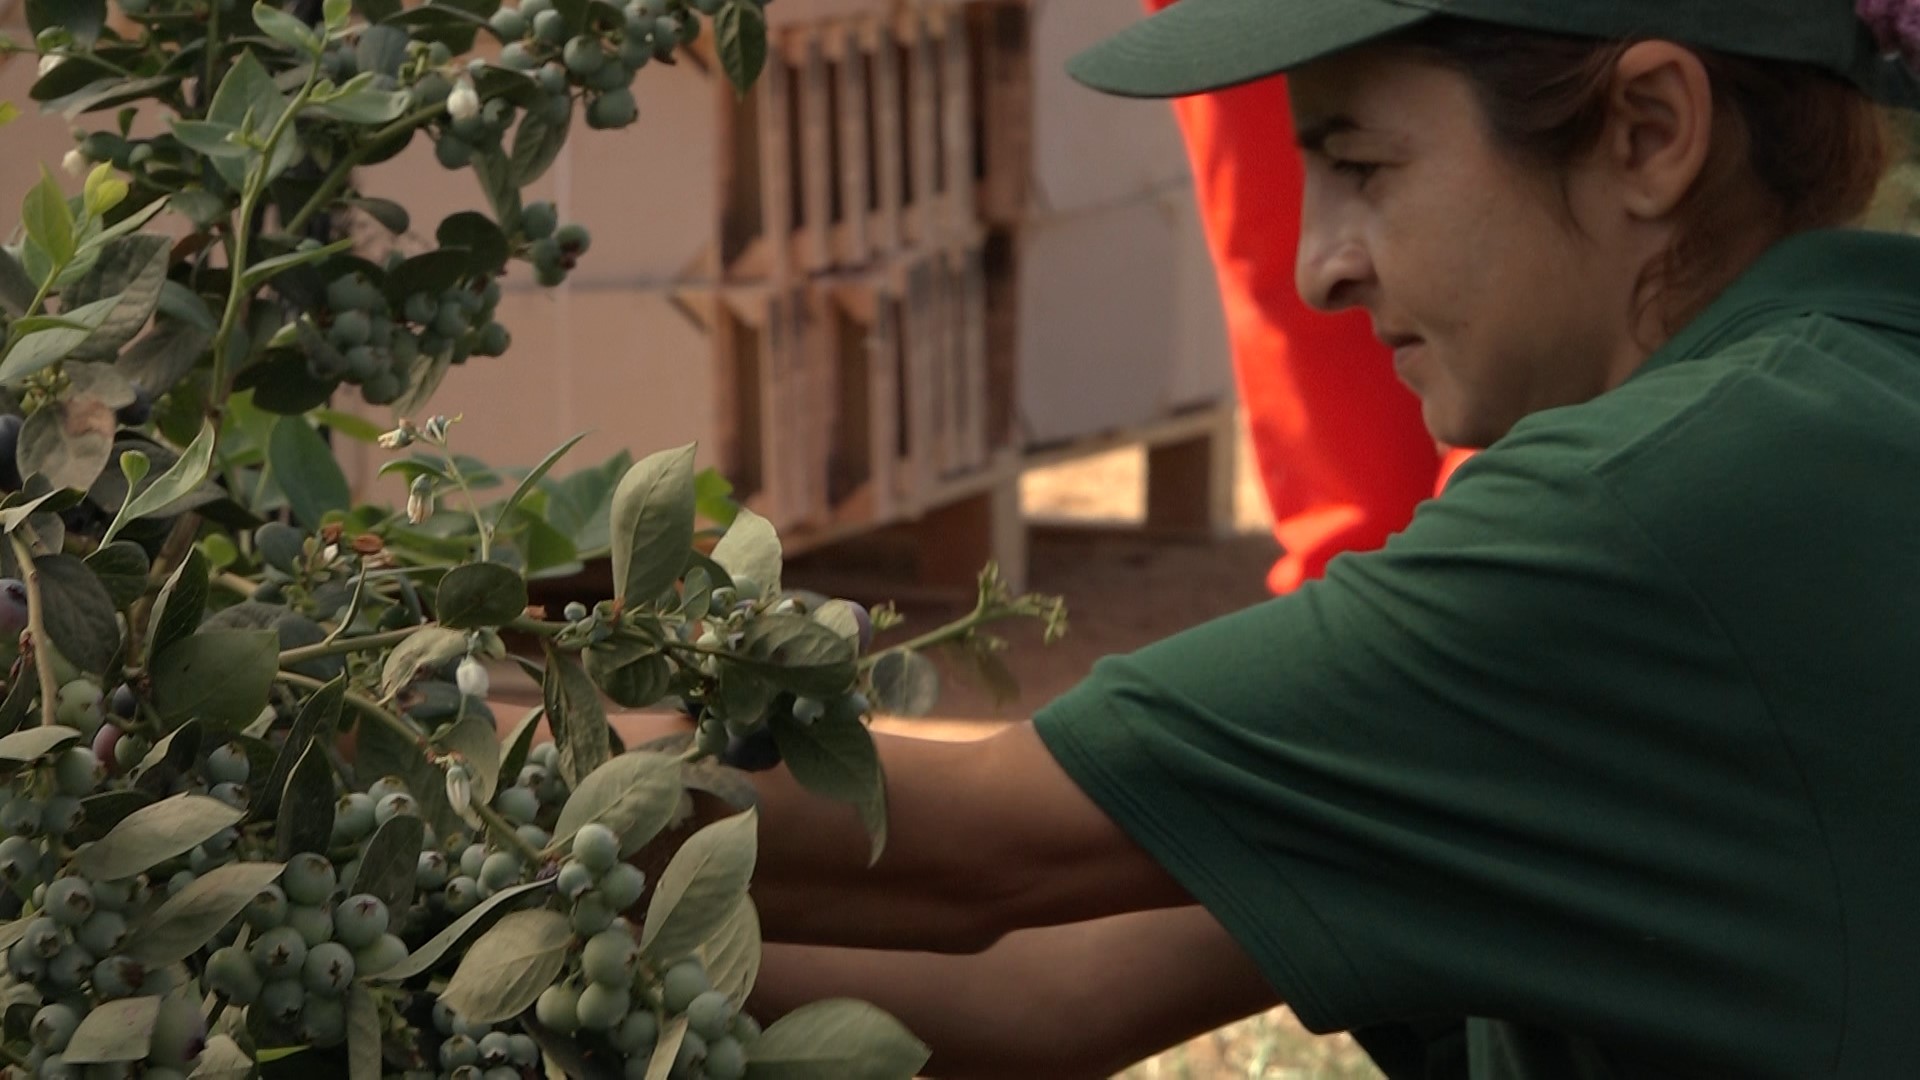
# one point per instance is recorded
(954, 631)
(37, 633)
(12, 1057)
(473, 507)
(503, 831)
(235, 584)
(243, 233)
(337, 177)
(367, 706)
(347, 645)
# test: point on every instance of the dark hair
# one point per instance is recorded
(1810, 145)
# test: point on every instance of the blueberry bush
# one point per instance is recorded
(257, 816)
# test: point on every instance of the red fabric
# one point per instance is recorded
(1342, 452)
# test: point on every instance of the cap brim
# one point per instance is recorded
(1199, 45)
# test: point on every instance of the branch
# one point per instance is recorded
(37, 633)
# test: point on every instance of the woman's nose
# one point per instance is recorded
(1332, 267)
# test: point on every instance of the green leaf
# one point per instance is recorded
(318, 714)
(164, 356)
(509, 966)
(433, 272)
(740, 31)
(652, 525)
(700, 886)
(173, 486)
(35, 743)
(78, 612)
(514, 748)
(100, 813)
(536, 146)
(364, 105)
(168, 760)
(477, 233)
(391, 215)
(427, 647)
(83, 19)
(224, 1060)
(153, 834)
(835, 757)
(751, 549)
(191, 917)
(532, 480)
(69, 442)
(732, 954)
(574, 714)
(798, 654)
(305, 821)
(48, 219)
(40, 350)
(423, 958)
(180, 606)
(905, 684)
(220, 676)
(16, 288)
(286, 29)
(477, 742)
(481, 594)
(359, 429)
(122, 570)
(335, 13)
(114, 1031)
(383, 51)
(210, 139)
(304, 467)
(363, 1029)
(635, 795)
(634, 674)
(713, 497)
(391, 862)
(667, 1050)
(267, 269)
(133, 269)
(836, 1039)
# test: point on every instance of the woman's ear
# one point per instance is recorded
(1659, 127)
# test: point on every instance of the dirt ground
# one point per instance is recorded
(1123, 592)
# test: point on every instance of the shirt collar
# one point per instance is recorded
(1856, 275)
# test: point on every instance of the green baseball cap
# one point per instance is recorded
(1199, 45)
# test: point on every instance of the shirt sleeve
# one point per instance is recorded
(1508, 766)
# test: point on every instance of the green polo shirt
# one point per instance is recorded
(1609, 764)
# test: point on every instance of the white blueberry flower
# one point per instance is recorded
(459, 789)
(472, 678)
(75, 164)
(464, 102)
(420, 500)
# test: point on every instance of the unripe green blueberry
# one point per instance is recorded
(539, 219)
(610, 957)
(179, 1033)
(535, 836)
(328, 969)
(532, 8)
(597, 847)
(510, 24)
(52, 1027)
(121, 976)
(622, 885)
(267, 909)
(636, 51)
(323, 1020)
(419, 308)
(591, 914)
(472, 858)
(283, 999)
(495, 1048)
(386, 951)
(344, 293)
(81, 705)
(693, 1053)
(726, 1059)
(104, 933)
(313, 922)
(179, 882)
(387, 785)
(558, 1007)
(550, 27)
(440, 55)
(462, 894)
(458, 1050)
(583, 55)
(279, 953)
(450, 319)
(522, 1050)
(20, 816)
(430, 873)
(350, 328)
(69, 969)
(453, 152)
(612, 75)
(394, 806)
(574, 879)
(573, 238)
(234, 795)
(500, 870)
(613, 109)
(118, 895)
(70, 901)
(232, 974)
(552, 79)
(494, 340)
(710, 1014)
(666, 35)
(682, 983)
(352, 818)
(637, 1033)
(55, 1067)
(308, 878)
(360, 920)
(77, 772)
(689, 31)
(24, 964)
(601, 1006)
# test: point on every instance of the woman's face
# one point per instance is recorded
(1498, 297)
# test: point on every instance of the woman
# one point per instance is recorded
(1586, 773)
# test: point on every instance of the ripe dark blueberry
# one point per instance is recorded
(9, 446)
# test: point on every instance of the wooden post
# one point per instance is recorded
(955, 542)
(1190, 483)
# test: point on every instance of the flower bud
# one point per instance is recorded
(459, 789)
(400, 437)
(420, 500)
(472, 678)
(49, 62)
(464, 102)
(75, 163)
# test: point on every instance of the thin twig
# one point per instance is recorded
(37, 633)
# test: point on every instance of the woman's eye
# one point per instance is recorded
(1359, 170)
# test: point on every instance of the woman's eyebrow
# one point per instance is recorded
(1313, 137)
